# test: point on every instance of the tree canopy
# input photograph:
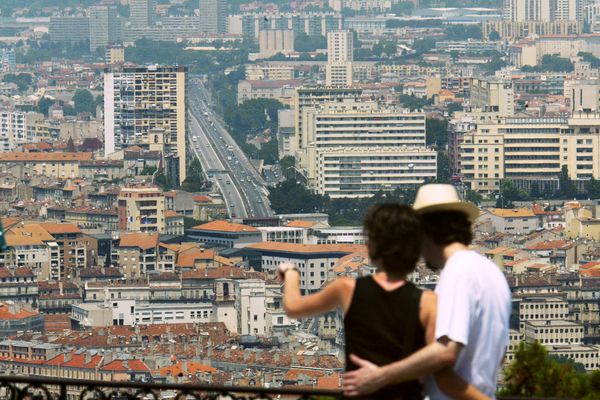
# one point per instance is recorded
(84, 102)
(304, 43)
(551, 63)
(534, 373)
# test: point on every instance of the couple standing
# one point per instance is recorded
(405, 343)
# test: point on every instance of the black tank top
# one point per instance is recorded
(384, 327)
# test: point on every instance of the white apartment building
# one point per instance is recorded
(353, 148)
(554, 332)
(362, 172)
(492, 96)
(531, 151)
(251, 303)
(312, 97)
(340, 47)
(527, 10)
(273, 41)
(589, 356)
(542, 309)
(13, 130)
(283, 234)
(145, 106)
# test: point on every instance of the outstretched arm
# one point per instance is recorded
(297, 306)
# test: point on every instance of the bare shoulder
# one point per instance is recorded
(344, 283)
(428, 299)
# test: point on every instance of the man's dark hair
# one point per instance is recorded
(446, 227)
(394, 234)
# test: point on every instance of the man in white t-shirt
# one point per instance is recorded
(473, 312)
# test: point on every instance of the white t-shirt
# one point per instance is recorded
(473, 308)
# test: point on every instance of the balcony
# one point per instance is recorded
(19, 387)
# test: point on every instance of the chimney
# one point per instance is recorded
(68, 356)
(87, 358)
(60, 287)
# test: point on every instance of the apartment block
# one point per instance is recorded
(531, 151)
(554, 332)
(142, 13)
(274, 41)
(340, 48)
(105, 26)
(353, 148)
(313, 96)
(55, 165)
(213, 15)
(309, 23)
(141, 209)
(492, 96)
(13, 130)
(69, 29)
(145, 107)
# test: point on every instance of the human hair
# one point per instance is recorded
(447, 227)
(394, 237)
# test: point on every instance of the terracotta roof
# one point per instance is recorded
(202, 199)
(21, 156)
(60, 228)
(591, 273)
(5, 313)
(126, 365)
(224, 226)
(512, 213)
(76, 361)
(301, 224)
(550, 245)
(308, 248)
(221, 272)
(27, 235)
(172, 214)
(141, 240)
(590, 264)
(188, 257)
(329, 382)
(189, 367)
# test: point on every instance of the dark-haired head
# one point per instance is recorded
(447, 227)
(394, 235)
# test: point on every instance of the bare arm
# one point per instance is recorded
(455, 387)
(330, 297)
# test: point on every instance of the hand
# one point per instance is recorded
(283, 268)
(364, 380)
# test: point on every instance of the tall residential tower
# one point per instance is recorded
(145, 106)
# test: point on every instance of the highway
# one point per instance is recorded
(242, 187)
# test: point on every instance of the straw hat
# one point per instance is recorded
(435, 197)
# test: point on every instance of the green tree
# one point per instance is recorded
(592, 187)
(269, 151)
(194, 180)
(566, 187)
(436, 131)
(44, 104)
(23, 81)
(462, 32)
(589, 57)
(494, 35)
(473, 197)
(304, 43)
(287, 165)
(403, 8)
(534, 373)
(551, 63)
(413, 102)
(444, 168)
(510, 192)
(84, 102)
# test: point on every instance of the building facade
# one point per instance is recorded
(145, 107)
